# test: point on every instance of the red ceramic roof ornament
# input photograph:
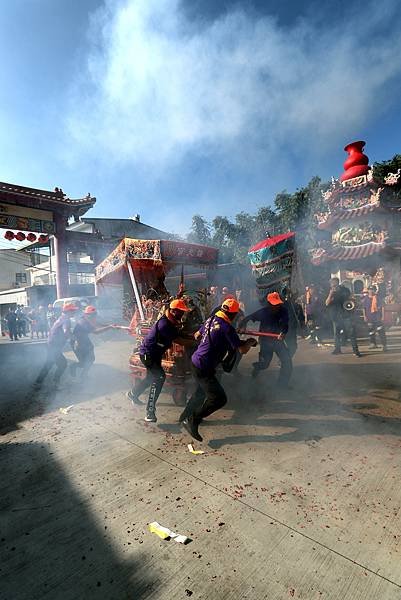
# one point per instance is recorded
(357, 163)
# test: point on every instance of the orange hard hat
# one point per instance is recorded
(69, 307)
(274, 298)
(90, 310)
(179, 304)
(230, 305)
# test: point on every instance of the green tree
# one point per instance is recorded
(382, 169)
(392, 194)
(200, 231)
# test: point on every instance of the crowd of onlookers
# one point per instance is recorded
(313, 312)
(332, 311)
(24, 322)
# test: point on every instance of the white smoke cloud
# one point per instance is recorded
(157, 89)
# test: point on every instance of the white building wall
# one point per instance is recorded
(13, 267)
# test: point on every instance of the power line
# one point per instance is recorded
(39, 268)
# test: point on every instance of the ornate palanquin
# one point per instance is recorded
(145, 264)
(159, 256)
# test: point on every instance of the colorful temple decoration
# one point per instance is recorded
(363, 218)
(272, 262)
(357, 163)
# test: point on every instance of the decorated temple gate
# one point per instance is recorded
(42, 212)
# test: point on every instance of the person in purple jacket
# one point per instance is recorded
(159, 339)
(59, 334)
(218, 339)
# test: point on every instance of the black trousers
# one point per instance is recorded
(54, 357)
(208, 396)
(13, 332)
(292, 343)
(86, 358)
(377, 328)
(267, 349)
(344, 329)
(155, 378)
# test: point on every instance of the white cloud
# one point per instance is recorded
(156, 89)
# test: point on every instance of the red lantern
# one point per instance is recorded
(43, 239)
(20, 236)
(9, 235)
(31, 237)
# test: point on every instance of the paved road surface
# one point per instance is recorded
(297, 495)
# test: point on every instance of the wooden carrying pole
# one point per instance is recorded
(259, 333)
(136, 290)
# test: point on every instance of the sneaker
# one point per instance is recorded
(134, 399)
(150, 417)
(358, 354)
(192, 428)
(336, 352)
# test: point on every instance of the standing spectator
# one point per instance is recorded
(11, 319)
(343, 322)
(238, 295)
(214, 295)
(42, 322)
(313, 314)
(51, 316)
(373, 314)
(21, 321)
(33, 319)
(4, 326)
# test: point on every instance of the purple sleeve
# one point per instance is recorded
(232, 337)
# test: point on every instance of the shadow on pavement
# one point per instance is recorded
(19, 401)
(50, 545)
(325, 401)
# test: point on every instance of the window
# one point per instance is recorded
(20, 279)
(82, 278)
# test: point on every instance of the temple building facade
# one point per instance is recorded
(363, 222)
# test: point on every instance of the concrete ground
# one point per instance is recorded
(296, 496)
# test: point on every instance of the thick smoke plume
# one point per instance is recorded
(157, 88)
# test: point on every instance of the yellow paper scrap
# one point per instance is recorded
(159, 530)
(192, 451)
(165, 534)
(66, 410)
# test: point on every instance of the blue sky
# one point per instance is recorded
(168, 108)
